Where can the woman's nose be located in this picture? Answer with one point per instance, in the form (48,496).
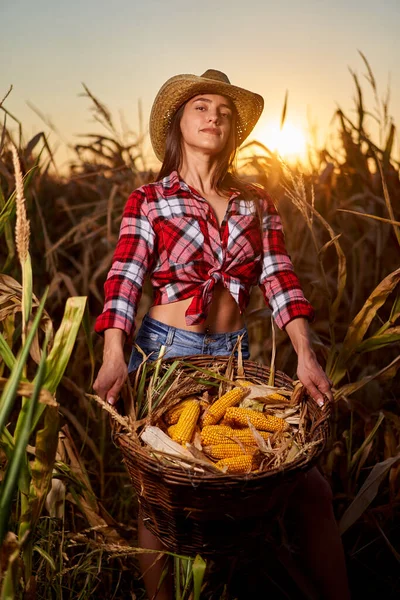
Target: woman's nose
(213,117)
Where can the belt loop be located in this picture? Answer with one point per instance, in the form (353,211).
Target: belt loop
(170,336)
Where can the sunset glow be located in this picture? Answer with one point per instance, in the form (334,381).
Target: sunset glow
(289,142)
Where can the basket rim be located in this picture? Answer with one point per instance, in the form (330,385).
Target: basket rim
(149,463)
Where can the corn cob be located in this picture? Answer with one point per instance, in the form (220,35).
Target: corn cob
(217,410)
(245,436)
(242,416)
(278,397)
(273,396)
(187,423)
(171,429)
(243,383)
(217,434)
(172,416)
(236,464)
(228,450)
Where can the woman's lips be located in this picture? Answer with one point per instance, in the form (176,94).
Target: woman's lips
(210,130)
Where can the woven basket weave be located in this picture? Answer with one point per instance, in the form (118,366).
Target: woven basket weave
(216,514)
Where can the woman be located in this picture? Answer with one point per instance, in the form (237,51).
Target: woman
(206,238)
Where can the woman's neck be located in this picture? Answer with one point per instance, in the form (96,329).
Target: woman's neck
(198,174)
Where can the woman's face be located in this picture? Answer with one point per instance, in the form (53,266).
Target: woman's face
(206,123)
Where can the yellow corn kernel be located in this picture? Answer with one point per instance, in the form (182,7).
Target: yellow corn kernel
(217,410)
(278,397)
(236,464)
(228,450)
(214,434)
(171,429)
(219,434)
(187,423)
(245,436)
(172,416)
(243,382)
(242,416)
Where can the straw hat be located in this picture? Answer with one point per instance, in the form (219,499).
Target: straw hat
(177,90)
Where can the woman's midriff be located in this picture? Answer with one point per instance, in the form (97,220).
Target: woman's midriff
(223,315)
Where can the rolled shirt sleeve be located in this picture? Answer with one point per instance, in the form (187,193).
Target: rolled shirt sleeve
(278,282)
(133,258)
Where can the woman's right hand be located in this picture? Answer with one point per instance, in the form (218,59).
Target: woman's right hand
(114,371)
(110,379)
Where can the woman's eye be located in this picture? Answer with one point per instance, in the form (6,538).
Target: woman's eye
(200,108)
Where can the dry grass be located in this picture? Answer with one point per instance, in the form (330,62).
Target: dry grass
(340,254)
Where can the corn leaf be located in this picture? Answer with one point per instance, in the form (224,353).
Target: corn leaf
(9,393)
(368,216)
(8,234)
(350,388)
(10,483)
(8,209)
(199,569)
(11,578)
(361,322)
(6,353)
(366,442)
(177,568)
(375,342)
(42,466)
(387,198)
(367,493)
(46,556)
(64,341)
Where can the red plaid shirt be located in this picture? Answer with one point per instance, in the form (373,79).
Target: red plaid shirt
(171,233)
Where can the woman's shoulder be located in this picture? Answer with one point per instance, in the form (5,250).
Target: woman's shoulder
(154,189)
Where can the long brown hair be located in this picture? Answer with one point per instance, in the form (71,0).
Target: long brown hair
(225,176)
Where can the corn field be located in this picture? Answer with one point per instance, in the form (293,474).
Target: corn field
(64,531)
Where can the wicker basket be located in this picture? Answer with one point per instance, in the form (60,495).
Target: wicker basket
(210,514)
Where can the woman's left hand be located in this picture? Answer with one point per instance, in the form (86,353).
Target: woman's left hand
(313,377)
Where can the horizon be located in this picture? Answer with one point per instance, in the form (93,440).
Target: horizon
(49,51)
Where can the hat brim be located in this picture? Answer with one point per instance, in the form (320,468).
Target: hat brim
(180,88)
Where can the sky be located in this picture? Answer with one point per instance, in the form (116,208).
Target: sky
(124,51)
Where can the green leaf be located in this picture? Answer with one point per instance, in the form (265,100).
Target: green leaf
(361,322)
(64,341)
(376,342)
(7,211)
(42,467)
(367,441)
(46,556)
(367,493)
(6,353)
(11,578)
(10,481)
(350,388)
(199,569)
(10,390)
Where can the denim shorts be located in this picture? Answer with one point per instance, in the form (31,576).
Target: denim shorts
(179,342)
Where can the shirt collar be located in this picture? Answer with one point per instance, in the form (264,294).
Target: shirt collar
(172,183)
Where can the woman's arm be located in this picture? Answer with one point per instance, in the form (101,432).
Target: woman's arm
(133,258)
(114,370)
(309,371)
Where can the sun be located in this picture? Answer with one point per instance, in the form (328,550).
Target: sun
(289,142)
